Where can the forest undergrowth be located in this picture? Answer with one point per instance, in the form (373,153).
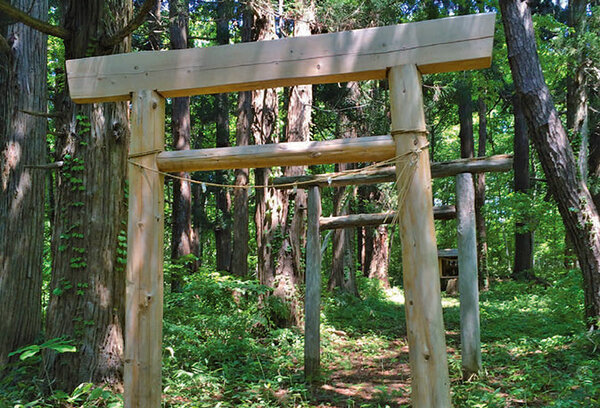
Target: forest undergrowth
(223,349)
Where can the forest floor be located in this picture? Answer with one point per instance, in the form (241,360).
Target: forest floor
(223,349)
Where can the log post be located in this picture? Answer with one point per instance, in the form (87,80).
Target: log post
(424,321)
(145,235)
(312,300)
(467,281)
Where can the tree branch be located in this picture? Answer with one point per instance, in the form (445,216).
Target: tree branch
(44,114)
(137,21)
(32,22)
(49,166)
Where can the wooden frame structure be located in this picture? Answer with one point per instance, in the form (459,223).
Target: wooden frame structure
(401,52)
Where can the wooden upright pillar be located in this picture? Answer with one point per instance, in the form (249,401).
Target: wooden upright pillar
(467,275)
(145,235)
(312,302)
(425,326)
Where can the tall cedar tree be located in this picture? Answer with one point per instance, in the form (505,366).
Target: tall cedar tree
(88,281)
(239,256)
(549,137)
(264,129)
(289,273)
(182,236)
(342,249)
(22,140)
(223,198)
(523,267)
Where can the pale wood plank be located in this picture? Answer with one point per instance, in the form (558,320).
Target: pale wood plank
(312,302)
(468,287)
(425,326)
(374,148)
(448,44)
(145,235)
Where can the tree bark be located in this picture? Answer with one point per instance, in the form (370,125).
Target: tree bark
(575,204)
(222,196)
(87,286)
(22,140)
(289,271)
(264,128)
(182,235)
(523,269)
(239,260)
(483,275)
(378,269)
(342,262)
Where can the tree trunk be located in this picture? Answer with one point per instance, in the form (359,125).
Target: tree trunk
(182,235)
(483,275)
(523,269)
(289,271)
(342,262)
(239,260)
(22,140)
(88,282)
(222,196)
(556,156)
(378,269)
(264,128)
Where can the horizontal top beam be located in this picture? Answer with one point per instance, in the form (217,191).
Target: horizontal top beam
(443,45)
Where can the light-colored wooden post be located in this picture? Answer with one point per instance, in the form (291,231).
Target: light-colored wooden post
(424,321)
(312,302)
(467,276)
(145,235)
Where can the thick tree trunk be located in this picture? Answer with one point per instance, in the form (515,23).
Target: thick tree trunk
(22,143)
(264,128)
(378,269)
(556,156)
(289,271)
(239,259)
(222,196)
(483,275)
(523,269)
(182,235)
(88,281)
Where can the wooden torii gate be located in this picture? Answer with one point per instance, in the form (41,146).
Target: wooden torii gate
(400,52)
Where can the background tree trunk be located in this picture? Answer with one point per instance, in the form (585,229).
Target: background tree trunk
(378,269)
(264,128)
(223,199)
(289,271)
(523,269)
(556,156)
(182,235)
(88,281)
(22,140)
(239,260)
(484,275)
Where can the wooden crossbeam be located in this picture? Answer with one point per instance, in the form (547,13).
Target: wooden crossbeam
(497,163)
(443,45)
(443,212)
(374,148)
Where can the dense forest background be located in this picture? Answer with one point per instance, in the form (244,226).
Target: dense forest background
(235,257)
